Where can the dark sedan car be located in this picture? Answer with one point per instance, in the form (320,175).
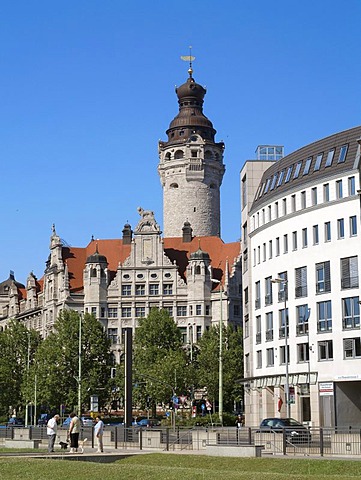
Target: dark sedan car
(295,432)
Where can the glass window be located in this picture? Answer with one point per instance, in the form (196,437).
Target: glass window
(112,312)
(352,347)
(167,289)
(302,316)
(314,195)
(293,203)
(258,294)
(269,326)
(318,162)
(169,309)
(268,291)
(353,226)
(268,182)
(327,231)
(140,289)
(126,312)
(329,158)
(113,335)
(283,320)
(316,238)
(297,170)
(301,282)
(280,178)
(258,329)
(274,179)
(199,309)
(351,186)
(259,358)
(276,210)
(340,228)
(339,189)
(294,240)
(303,352)
(324,316)
(303,199)
(285,243)
(181,310)
(304,238)
(325,350)
(350,313)
(153,289)
(349,272)
(270,357)
(126,290)
(277,246)
(140,312)
(342,155)
(288,174)
(307,166)
(326,192)
(284,201)
(323,277)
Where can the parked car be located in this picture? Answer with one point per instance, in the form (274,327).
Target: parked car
(15,422)
(295,431)
(86,421)
(147,422)
(44,418)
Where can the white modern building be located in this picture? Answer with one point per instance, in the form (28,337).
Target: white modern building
(301,261)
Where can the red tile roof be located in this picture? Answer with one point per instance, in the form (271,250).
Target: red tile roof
(175,249)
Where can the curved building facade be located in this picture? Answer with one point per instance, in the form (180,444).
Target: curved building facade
(301,262)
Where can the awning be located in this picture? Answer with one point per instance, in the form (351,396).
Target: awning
(280,380)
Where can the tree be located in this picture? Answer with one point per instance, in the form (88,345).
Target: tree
(17,346)
(159,359)
(56,365)
(208,364)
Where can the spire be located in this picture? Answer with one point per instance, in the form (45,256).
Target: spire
(189,58)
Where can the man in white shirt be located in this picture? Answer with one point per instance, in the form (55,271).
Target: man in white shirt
(98,432)
(51,430)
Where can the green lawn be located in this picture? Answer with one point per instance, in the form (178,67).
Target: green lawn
(179,467)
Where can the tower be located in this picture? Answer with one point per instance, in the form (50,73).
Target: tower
(191,166)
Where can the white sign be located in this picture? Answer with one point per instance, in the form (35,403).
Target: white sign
(326,388)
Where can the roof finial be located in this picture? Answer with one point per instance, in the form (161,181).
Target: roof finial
(189,58)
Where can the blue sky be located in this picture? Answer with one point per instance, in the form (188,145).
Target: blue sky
(87,90)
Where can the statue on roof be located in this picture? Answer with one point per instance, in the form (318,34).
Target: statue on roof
(147,223)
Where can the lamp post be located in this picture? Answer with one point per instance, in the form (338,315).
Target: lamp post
(220,375)
(284,281)
(79,366)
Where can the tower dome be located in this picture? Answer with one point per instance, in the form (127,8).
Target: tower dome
(191,168)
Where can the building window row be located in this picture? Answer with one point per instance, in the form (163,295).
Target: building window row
(282,244)
(295,171)
(351,349)
(306,199)
(350,320)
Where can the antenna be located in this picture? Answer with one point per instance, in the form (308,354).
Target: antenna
(189,58)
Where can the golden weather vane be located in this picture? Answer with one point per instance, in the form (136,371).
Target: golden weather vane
(189,58)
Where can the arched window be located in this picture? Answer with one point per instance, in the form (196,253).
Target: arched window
(174,185)
(198,270)
(178,154)
(93,272)
(167,156)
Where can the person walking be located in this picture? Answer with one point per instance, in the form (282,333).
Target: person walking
(98,432)
(51,429)
(73,432)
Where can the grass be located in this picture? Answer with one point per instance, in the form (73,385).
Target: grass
(179,467)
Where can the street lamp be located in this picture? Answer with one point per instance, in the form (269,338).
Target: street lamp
(79,366)
(220,376)
(287,385)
